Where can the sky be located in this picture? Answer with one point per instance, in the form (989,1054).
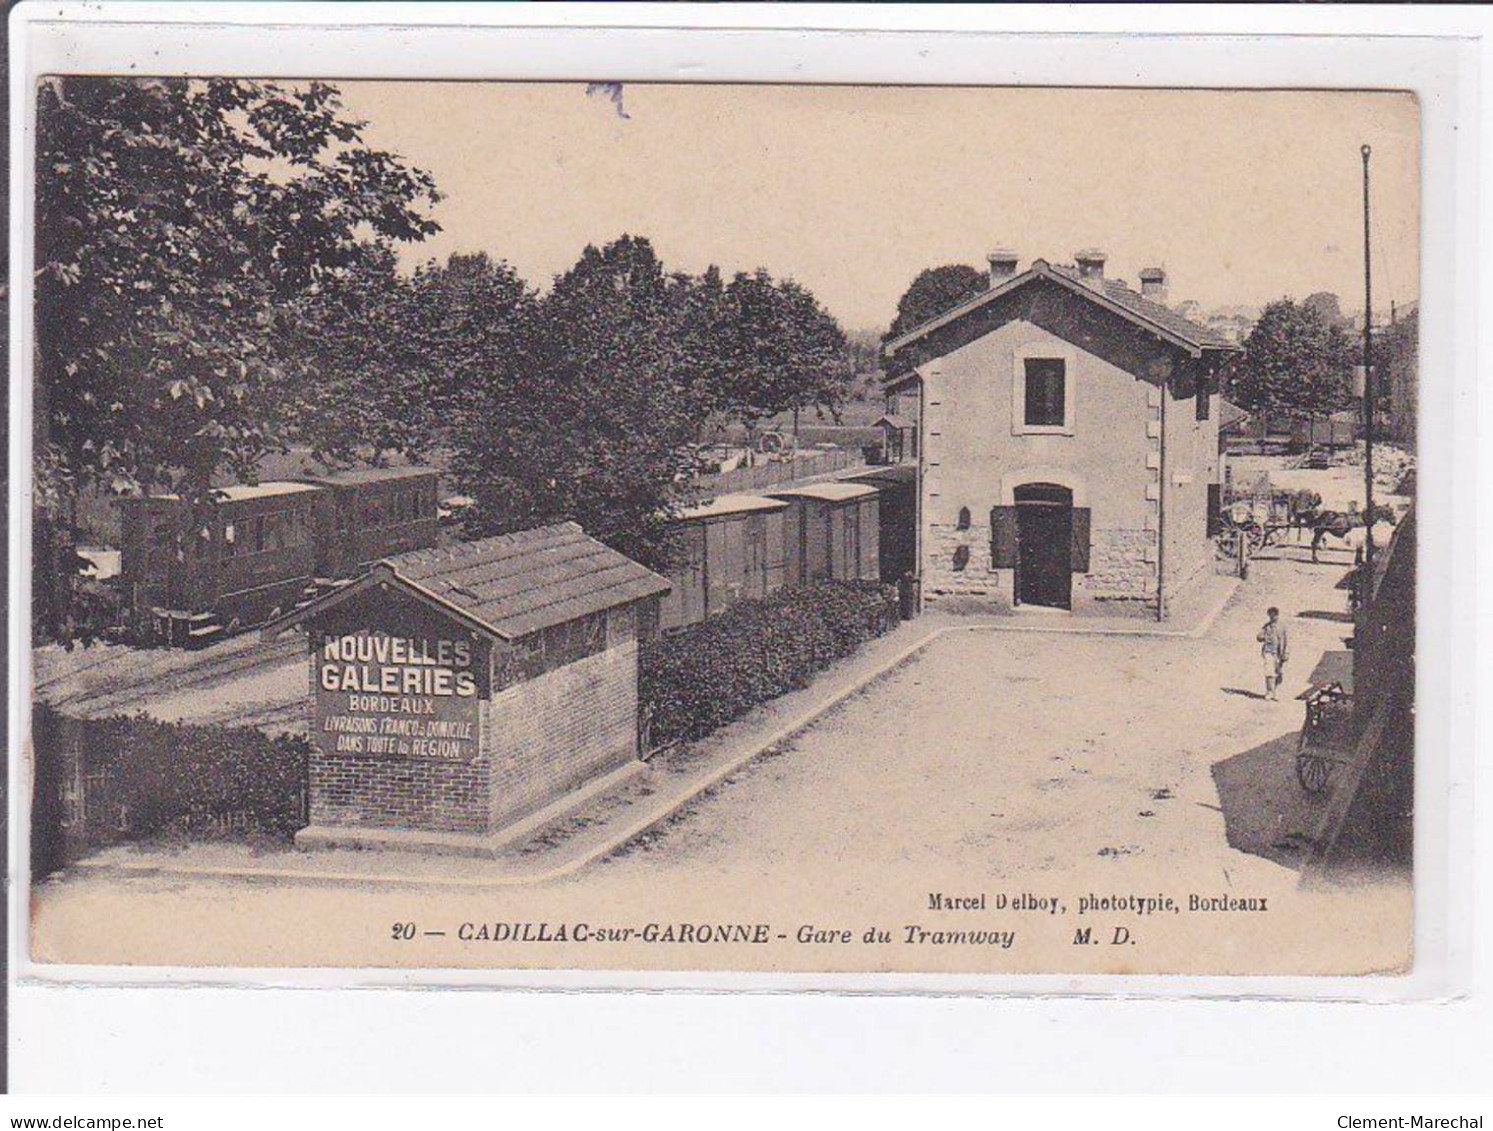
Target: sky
(1243,196)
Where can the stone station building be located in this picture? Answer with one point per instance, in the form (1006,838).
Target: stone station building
(1068,446)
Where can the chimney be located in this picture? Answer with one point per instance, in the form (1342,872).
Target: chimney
(1002,265)
(1153,284)
(1090,263)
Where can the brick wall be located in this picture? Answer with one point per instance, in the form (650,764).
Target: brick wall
(549,734)
(394,792)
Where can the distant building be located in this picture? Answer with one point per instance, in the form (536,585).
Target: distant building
(1069,440)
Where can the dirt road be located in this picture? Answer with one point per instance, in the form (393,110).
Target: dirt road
(1060,766)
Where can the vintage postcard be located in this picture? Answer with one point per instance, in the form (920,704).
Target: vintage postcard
(711,528)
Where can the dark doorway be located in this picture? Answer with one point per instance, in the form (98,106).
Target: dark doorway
(1044,537)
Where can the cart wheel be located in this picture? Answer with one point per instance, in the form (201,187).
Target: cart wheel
(1312,770)
(1227,544)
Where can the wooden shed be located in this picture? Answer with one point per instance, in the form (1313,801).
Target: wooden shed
(899,438)
(726,550)
(833,531)
(457,690)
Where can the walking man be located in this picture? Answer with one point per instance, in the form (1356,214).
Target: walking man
(1274,648)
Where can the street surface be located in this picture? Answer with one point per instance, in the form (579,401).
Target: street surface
(1051,765)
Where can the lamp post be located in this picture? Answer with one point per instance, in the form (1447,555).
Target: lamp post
(1368,386)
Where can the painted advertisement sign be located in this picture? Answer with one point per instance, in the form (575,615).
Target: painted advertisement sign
(410,693)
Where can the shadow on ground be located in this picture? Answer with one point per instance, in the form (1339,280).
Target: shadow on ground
(1265,811)
(1323,614)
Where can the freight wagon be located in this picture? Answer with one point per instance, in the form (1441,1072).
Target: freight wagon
(833,532)
(737,547)
(725,550)
(190,576)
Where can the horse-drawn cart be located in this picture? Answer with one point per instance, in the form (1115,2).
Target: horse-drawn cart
(1326,732)
(1257,522)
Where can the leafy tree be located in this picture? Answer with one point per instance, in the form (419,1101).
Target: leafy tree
(626,367)
(1326,304)
(785,351)
(176,220)
(596,430)
(390,364)
(934,291)
(1295,365)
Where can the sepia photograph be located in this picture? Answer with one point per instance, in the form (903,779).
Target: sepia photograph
(723,527)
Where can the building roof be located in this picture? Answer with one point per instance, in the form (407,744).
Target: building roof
(511,585)
(889,473)
(1112,294)
(892,420)
(238,492)
(825,492)
(1230,415)
(358,476)
(723,505)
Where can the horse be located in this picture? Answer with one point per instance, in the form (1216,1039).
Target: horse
(1341,523)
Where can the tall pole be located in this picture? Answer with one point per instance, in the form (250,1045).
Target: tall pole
(1368,387)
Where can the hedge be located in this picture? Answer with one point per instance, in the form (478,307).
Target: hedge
(139,778)
(709,674)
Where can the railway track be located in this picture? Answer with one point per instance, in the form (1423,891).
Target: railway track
(131,677)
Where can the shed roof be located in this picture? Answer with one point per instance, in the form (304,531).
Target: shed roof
(1109,293)
(358,476)
(825,492)
(724,505)
(511,585)
(892,420)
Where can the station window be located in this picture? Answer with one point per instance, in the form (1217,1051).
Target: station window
(1046,380)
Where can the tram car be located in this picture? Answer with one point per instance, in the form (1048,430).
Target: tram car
(190,578)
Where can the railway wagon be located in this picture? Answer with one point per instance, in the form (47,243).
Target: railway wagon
(833,531)
(897,525)
(728,549)
(366,514)
(192,576)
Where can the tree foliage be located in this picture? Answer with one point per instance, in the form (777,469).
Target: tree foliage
(595,426)
(1296,364)
(932,293)
(783,350)
(1328,305)
(176,219)
(388,364)
(626,367)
